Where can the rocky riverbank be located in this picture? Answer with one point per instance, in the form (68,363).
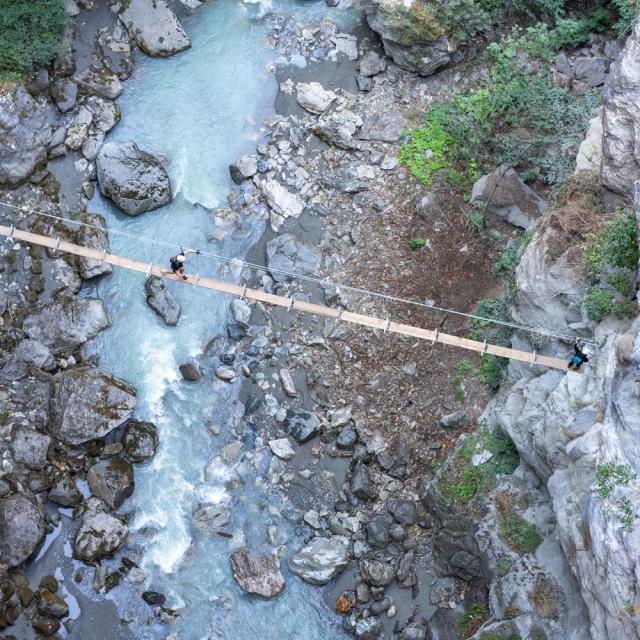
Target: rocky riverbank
(357,426)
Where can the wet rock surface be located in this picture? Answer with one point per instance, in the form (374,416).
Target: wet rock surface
(161,301)
(257,574)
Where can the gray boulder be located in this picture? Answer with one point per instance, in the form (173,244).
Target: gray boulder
(100,534)
(590,69)
(338,129)
(376,573)
(320,560)
(21,529)
(241,312)
(244,168)
(424,54)
(97,239)
(88,403)
(190,372)
(313,97)
(65,93)
(368,628)
(287,253)
(385,126)
(378,531)
(589,158)
(99,81)
(453,420)
(140,441)
(63,326)
(154,26)
(24,135)
(362,486)
(34,352)
(282,203)
(64,491)
(505,194)
(371,64)
(161,301)
(621,120)
(404,511)
(30,447)
(257,574)
(111,481)
(134,179)
(211,518)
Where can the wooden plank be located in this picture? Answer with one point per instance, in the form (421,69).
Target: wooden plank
(282,301)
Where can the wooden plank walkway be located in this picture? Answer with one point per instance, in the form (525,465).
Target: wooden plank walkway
(385,325)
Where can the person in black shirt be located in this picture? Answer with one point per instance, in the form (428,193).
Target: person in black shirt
(578,357)
(177,262)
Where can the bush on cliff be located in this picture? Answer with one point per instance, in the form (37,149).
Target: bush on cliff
(30,33)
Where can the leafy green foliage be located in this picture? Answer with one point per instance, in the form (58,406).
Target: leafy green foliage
(609,476)
(615,245)
(515,117)
(627,11)
(30,33)
(520,535)
(472,619)
(462,481)
(417,243)
(508,261)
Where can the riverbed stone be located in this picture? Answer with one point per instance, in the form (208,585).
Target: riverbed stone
(99,81)
(64,491)
(371,64)
(30,447)
(287,383)
(89,403)
(301,425)
(63,326)
(21,529)
(34,352)
(368,628)
(212,518)
(347,439)
(313,97)
(321,559)
(287,253)
(282,448)
(155,27)
(227,374)
(376,573)
(338,129)
(140,441)
(24,135)
(241,312)
(65,93)
(134,179)
(405,512)
(100,534)
(159,298)
(190,372)
(52,605)
(282,203)
(378,531)
(112,481)
(386,126)
(362,486)
(257,574)
(244,168)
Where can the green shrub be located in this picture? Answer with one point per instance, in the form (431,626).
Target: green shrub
(627,11)
(462,481)
(508,261)
(520,535)
(599,303)
(30,33)
(610,475)
(417,243)
(472,619)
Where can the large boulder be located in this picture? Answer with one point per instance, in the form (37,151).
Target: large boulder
(338,129)
(257,574)
(99,81)
(313,97)
(24,135)
(320,560)
(589,158)
(154,26)
(88,403)
(385,126)
(134,179)
(302,425)
(376,573)
(100,534)
(63,326)
(505,194)
(94,238)
(282,203)
(30,447)
(161,301)
(140,441)
(111,481)
(34,352)
(621,120)
(21,529)
(287,253)
(64,491)
(412,46)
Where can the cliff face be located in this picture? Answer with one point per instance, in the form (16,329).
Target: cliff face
(580,432)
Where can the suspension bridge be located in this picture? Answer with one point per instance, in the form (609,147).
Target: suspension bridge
(195,280)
